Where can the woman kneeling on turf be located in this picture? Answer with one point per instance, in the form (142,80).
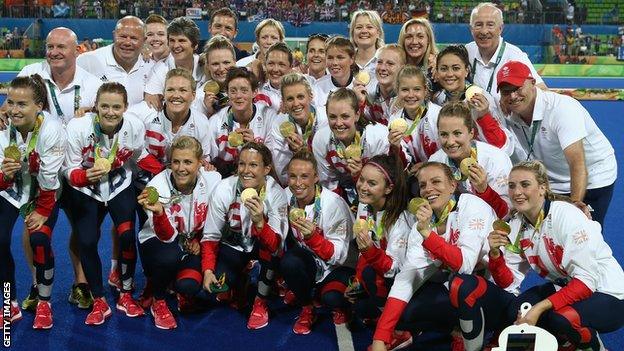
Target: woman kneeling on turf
(176,201)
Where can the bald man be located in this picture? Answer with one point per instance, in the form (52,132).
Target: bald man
(121,62)
(71,89)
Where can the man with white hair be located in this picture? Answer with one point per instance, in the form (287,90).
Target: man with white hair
(489,51)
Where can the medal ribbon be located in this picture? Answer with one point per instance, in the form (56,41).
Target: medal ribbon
(317,204)
(97,129)
(457,174)
(435,222)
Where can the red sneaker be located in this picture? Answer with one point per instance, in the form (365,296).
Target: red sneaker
(289,298)
(340,316)
(400,340)
(16,313)
(259,317)
(114,279)
(163,319)
(129,306)
(147,296)
(43,315)
(303,325)
(99,313)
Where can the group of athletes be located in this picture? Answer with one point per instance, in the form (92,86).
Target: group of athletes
(409,187)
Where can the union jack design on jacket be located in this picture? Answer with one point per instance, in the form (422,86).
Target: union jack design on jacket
(459,249)
(331,243)
(40,166)
(229,222)
(180,215)
(81,145)
(567,249)
(223,155)
(159,134)
(422,142)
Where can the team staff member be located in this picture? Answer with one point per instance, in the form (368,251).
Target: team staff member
(237,232)
(559,131)
(95,143)
(225,22)
(121,61)
(71,89)
(169,240)
(367,35)
(489,51)
(28,185)
(449,237)
(584,294)
(183,39)
(156,37)
(320,255)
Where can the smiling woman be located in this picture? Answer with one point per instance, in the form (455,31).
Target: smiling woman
(31,152)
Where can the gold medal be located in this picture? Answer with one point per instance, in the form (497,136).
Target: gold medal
(399,124)
(235,139)
(212,86)
(152,195)
(501,225)
(363,77)
(465,165)
(248,194)
(103,164)
(13,153)
(296,213)
(472,90)
(287,128)
(353,151)
(415,204)
(360,225)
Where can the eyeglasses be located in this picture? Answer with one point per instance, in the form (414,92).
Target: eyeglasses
(508,90)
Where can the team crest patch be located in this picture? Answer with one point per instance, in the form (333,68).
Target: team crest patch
(476,224)
(580,237)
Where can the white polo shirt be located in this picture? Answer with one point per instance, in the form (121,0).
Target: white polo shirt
(563,121)
(83,88)
(102,64)
(156,81)
(483,73)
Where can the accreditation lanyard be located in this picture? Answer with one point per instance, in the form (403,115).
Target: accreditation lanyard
(57,106)
(531,142)
(498,59)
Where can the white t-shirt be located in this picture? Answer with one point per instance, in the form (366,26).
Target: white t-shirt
(83,88)
(156,82)
(102,64)
(564,121)
(482,72)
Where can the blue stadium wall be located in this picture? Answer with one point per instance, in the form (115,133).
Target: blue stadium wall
(530,38)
